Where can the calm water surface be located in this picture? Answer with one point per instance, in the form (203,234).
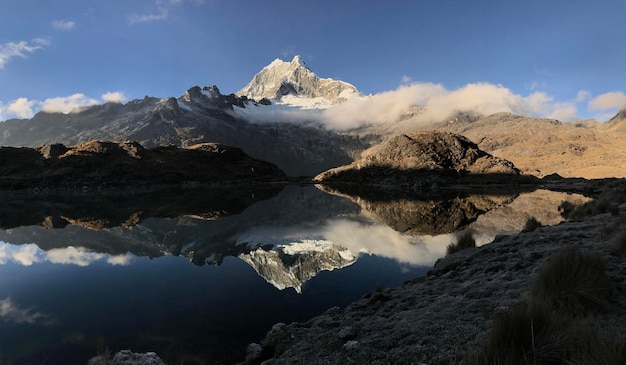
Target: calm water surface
(196,277)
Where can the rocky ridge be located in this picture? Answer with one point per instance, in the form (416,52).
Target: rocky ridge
(99,164)
(200,115)
(422,159)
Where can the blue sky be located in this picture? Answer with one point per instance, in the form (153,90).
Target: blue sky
(58,54)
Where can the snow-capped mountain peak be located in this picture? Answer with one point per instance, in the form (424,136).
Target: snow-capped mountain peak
(299,61)
(280,79)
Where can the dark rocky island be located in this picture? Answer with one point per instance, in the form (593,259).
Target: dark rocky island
(98,164)
(423,159)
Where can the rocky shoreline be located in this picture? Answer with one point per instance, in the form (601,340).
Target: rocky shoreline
(439,318)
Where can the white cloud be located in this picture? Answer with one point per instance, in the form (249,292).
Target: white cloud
(114,97)
(22,107)
(66,104)
(63,25)
(20,49)
(30,254)
(26,108)
(610,100)
(440,103)
(583,95)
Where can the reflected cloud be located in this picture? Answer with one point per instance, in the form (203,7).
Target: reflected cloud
(10,312)
(30,254)
(357,237)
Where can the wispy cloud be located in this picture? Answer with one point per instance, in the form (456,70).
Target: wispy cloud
(63,25)
(162,11)
(438,102)
(19,49)
(10,312)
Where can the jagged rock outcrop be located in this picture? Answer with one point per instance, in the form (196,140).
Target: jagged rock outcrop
(422,159)
(109,164)
(127,357)
(281,78)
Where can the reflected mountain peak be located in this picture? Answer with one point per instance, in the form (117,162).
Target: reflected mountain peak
(291,265)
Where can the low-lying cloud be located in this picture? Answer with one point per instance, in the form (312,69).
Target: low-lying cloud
(439,103)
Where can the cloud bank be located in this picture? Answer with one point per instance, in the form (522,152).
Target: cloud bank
(439,103)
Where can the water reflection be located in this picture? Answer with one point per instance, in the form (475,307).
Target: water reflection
(10,312)
(79,268)
(29,254)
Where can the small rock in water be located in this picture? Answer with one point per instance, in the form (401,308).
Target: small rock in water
(351,345)
(346,332)
(253,352)
(127,357)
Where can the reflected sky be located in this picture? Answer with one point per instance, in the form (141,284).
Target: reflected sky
(10,312)
(356,235)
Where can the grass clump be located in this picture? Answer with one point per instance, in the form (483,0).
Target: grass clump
(465,241)
(527,333)
(531,224)
(554,324)
(572,211)
(574,282)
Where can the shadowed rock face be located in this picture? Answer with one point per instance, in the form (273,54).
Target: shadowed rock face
(108,164)
(425,157)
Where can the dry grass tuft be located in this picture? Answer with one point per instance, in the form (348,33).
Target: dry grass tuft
(465,241)
(574,282)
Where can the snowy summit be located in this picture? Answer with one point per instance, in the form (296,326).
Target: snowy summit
(280,79)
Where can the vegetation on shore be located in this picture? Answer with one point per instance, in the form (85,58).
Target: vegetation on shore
(565,318)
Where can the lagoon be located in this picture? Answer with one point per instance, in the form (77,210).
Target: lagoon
(197,275)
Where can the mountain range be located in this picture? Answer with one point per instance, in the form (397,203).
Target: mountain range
(266,119)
